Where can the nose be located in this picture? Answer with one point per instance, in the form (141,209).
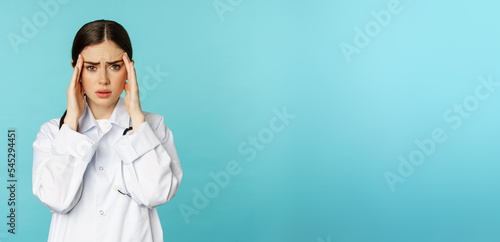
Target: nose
(103,77)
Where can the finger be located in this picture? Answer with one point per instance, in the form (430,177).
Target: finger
(80,68)
(133,77)
(76,73)
(74,77)
(126,60)
(130,68)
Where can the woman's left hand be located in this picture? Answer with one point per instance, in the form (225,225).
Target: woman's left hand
(132,100)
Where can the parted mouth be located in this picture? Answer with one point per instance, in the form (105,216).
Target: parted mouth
(103,93)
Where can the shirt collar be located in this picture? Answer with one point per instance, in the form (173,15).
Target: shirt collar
(119,117)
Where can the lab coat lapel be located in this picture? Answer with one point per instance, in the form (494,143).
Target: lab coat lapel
(87,120)
(120,116)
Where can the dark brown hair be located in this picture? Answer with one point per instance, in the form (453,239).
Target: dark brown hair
(97,32)
(94,33)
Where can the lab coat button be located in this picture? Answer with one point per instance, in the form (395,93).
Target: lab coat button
(101,212)
(100,168)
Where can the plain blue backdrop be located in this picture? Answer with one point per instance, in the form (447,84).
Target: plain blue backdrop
(365,84)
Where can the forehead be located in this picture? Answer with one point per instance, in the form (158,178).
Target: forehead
(105,51)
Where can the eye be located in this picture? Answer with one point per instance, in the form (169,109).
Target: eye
(115,67)
(91,68)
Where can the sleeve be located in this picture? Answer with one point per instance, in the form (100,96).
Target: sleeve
(60,158)
(151,168)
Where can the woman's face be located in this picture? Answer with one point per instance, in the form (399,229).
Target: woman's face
(103,74)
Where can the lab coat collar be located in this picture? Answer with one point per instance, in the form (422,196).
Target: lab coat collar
(119,117)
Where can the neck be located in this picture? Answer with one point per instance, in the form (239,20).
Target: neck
(101,112)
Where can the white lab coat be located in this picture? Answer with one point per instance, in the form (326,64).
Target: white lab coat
(81,176)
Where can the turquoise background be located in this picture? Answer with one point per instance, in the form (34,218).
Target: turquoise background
(320,178)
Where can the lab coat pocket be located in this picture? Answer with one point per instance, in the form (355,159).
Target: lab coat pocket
(135,231)
(136,213)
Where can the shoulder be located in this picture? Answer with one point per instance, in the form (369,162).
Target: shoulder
(153,119)
(157,123)
(49,129)
(51,125)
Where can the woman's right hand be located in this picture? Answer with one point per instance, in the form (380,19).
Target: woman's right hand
(76,99)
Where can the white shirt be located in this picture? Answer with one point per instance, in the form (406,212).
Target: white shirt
(103,124)
(81,176)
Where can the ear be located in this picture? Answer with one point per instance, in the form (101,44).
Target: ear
(72,64)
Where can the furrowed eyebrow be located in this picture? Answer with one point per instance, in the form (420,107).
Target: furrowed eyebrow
(97,63)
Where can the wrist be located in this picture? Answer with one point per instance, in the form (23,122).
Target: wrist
(71,122)
(137,120)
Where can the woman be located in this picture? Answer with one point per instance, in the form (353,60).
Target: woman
(105,165)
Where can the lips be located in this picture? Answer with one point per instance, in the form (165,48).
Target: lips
(103,93)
